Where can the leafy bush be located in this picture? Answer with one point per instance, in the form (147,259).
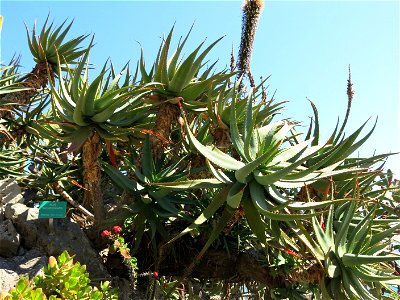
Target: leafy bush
(62,279)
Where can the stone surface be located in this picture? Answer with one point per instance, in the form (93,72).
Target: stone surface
(30,240)
(26,222)
(11,268)
(67,235)
(124,289)
(9,239)
(1,213)
(10,192)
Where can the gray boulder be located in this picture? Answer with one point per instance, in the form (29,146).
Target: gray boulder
(65,235)
(11,268)
(31,240)
(9,239)
(10,192)
(25,220)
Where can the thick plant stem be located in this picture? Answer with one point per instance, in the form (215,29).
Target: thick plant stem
(92,177)
(35,80)
(167,114)
(222,139)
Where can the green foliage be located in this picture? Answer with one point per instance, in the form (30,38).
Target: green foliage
(61,279)
(180,78)
(168,288)
(156,203)
(119,244)
(11,163)
(50,43)
(231,176)
(9,79)
(351,257)
(81,108)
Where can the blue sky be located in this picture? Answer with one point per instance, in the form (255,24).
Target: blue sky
(305,45)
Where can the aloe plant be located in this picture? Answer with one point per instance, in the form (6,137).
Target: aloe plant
(45,47)
(271,161)
(192,163)
(356,260)
(12,162)
(152,205)
(180,83)
(87,113)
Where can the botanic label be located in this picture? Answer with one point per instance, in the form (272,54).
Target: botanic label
(52,209)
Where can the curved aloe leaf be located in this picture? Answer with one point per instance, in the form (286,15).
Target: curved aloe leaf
(205,183)
(213,154)
(350,259)
(207,213)
(235,195)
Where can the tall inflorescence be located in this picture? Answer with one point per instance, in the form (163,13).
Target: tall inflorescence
(251,16)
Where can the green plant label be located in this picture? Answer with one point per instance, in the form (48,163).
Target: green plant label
(52,209)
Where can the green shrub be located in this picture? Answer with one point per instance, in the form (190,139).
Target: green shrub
(62,279)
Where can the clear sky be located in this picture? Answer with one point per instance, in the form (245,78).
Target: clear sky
(305,45)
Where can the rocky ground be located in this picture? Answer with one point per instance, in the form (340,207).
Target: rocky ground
(26,241)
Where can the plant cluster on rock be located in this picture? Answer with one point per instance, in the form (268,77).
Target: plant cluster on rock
(61,279)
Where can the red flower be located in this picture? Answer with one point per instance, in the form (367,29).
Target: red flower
(155,274)
(105,233)
(291,252)
(166,285)
(117,229)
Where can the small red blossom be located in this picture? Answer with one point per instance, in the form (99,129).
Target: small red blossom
(291,252)
(323,226)
(322,223)
(105,233)
(117,229)
(179,99)
(155,274)
(166,285)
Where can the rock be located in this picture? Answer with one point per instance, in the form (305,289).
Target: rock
(67,235)
(10,192)
(21,251)
(35,233)
(124,289)
(9,239)
(11,268)
(26,222)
